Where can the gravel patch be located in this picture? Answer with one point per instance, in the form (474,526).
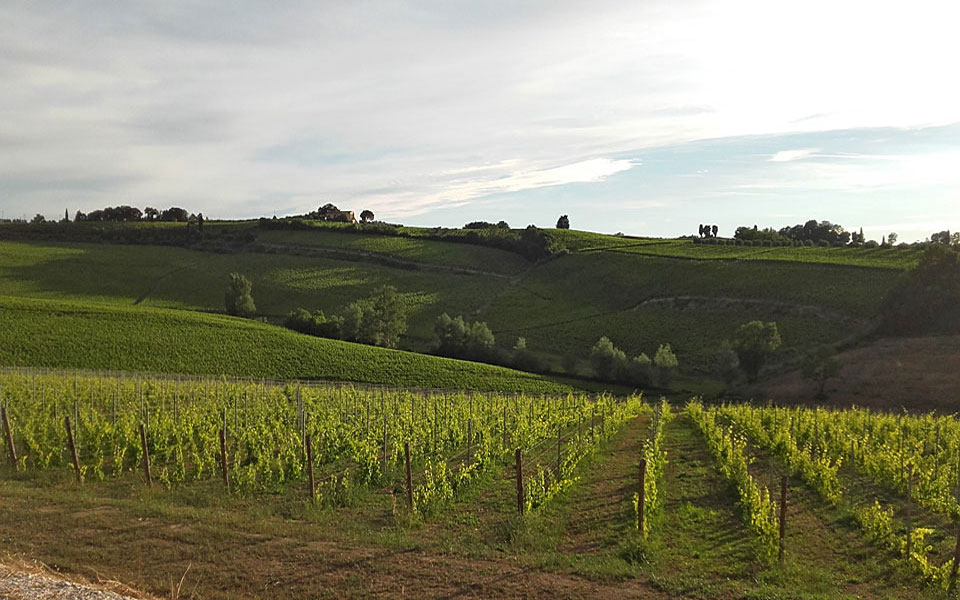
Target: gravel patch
(20,585)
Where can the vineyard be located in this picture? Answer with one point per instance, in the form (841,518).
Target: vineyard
(476,474)
(265,438)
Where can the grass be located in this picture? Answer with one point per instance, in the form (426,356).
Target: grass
(71,334)
(179,278)
(885,258)
(419,250)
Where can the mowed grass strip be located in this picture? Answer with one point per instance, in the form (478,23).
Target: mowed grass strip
(450,254)
(70,334)
(883,258)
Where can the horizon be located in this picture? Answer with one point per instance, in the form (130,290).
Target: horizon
(642,119)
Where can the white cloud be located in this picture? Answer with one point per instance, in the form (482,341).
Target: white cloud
(789,155)
(418,105)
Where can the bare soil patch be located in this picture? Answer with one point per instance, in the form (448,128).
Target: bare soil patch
(914,373)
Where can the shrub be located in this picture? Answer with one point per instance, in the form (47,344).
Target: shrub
(640,370)
(523,358)
(665,362)
(315,324)
(754,343)
(608,361)
(238,300)
(727,364)
(379,320)
(456,338)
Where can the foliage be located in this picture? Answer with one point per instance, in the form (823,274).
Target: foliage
(456,338)
(378,320)
(522,358)
(316,324)
(563,222)
(754,343)
(366,215)
(237,298)
(927,299)
(607,360)
(820,365)
(666,364)
(727,362)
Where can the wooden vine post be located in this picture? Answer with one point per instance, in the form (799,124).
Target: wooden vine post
(519,456)
(11,449)
(641,496)
(313,482)
(406,456)
(146,455)
(223,458)
(73,449)
(783,515)
(909,524)
(559,463)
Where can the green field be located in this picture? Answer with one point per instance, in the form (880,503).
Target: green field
(57,333)
(639,292)
(885,258)
(451,254)
(180,278)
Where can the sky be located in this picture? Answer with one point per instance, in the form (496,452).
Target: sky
(646,117)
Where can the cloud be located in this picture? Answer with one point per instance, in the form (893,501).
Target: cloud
(278,108)
(789,155)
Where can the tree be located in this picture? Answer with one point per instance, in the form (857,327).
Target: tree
(379,320)
(66,216)
(79,216)
(927,298)
(366,215)
(238,300)
(754,343)
(563,222)
(820,365)
(892,238)
(503,225)
(715,229)
(523,358)
(175,213)
(38,218)
(700,230)
(456,338)
(665,361)
(640,370)
(608,361)
(315,324)
(151,214)
(727,363)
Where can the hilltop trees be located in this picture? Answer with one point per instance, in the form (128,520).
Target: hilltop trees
(563,222)
(366,215)
(754,343)
(237,298)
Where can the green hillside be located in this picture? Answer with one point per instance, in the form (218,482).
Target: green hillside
(62,334)
(640,292)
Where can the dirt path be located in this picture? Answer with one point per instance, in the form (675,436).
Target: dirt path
(601,506)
